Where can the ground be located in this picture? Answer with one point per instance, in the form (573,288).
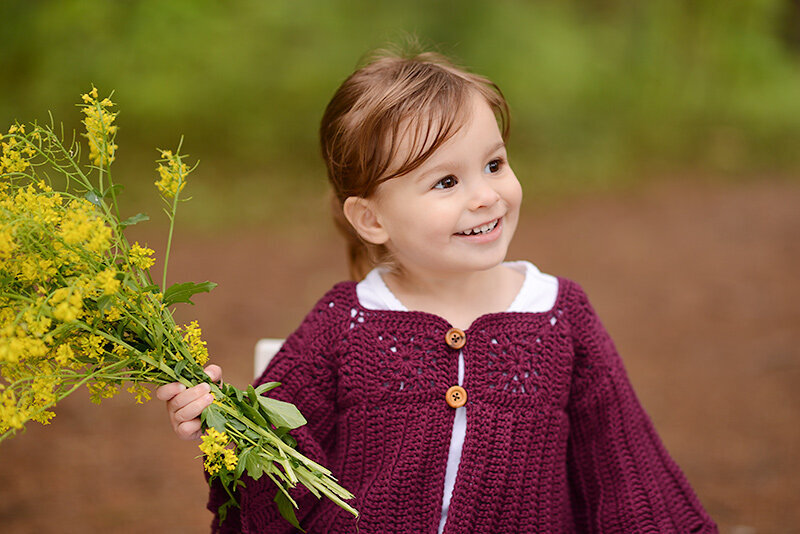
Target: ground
(697,283)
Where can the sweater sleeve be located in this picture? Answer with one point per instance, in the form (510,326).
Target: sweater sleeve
(621,477)
(304,368)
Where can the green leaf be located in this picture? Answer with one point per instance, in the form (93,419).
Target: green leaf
(223,510)
(182,291)
(115,189)
(180,366)
(253,414)
(214,418)
(232,391)
(253,464)
(130,221)
(282,414)
(94,198)
(286,508)
(104,302)
(242,461)
(263,388)
(254,436)
(237,425)
(152,288)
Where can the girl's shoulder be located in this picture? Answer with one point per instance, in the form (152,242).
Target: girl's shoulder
(342,293)
(334,306)
(543,293)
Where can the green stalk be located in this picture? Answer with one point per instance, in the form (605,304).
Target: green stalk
(171,215)
(169,240)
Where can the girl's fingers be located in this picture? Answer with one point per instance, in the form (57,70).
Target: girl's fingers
(167,391)
(189,430)
(191,410)
(214,372)
(184,406)
(187,396)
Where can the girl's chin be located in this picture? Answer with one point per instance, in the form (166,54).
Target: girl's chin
(468,263)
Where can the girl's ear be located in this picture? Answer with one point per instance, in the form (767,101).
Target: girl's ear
(362,215)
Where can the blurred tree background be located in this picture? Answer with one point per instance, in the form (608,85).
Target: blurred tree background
(604,93)
(662,136)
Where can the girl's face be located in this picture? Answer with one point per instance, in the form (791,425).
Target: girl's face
(457,212)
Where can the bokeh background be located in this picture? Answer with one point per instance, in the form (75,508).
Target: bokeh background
(658,144)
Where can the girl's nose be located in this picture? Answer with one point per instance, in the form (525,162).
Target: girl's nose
(483,194)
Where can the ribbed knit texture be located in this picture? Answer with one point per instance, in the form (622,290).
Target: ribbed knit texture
(556,439)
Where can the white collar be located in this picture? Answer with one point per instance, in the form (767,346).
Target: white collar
(537,294)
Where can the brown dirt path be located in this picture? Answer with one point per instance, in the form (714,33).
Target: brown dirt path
(698,285)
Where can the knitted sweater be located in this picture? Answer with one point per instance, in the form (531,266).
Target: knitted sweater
(556,440)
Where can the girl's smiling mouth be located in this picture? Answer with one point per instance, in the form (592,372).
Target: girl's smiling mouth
(481,230)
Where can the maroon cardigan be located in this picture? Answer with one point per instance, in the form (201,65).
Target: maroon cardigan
(556,439)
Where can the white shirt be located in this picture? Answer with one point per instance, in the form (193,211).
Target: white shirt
(537,294)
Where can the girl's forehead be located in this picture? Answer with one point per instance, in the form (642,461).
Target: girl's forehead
(423,136)
(474,121)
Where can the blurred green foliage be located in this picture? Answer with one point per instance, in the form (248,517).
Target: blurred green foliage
(602,92)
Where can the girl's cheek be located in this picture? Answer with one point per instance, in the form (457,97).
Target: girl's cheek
(514,192)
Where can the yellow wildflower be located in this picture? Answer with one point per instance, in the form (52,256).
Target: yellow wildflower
(37,324)
(140,256)
(173,174)
(7,243)
(107,282)
(76,226)
(113,314)
(91,95)
(218,455)
(101,389)
(12,348)
(46,268)
(43,186)
(92,346)
(15,153)
(32,347)
(31,268)
(100,129)
(42,387)
(100,241)
(11,415)
(64,354)
(197,347)
(43,417)
(68,304)
(140,391)
(68,260)
(36,202)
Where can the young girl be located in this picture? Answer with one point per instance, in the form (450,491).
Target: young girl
(450,390)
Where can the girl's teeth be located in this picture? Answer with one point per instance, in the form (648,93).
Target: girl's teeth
(481,229)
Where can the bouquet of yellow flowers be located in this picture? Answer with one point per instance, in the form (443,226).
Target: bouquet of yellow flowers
(78,306)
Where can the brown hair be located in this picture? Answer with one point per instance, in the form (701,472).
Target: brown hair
(393,95)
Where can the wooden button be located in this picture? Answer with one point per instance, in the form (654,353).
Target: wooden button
(455,338)
(456,397)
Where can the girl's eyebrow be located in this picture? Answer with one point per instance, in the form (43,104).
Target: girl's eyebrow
(497,147)
(450,164)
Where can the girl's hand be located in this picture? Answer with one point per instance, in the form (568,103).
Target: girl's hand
(185,405)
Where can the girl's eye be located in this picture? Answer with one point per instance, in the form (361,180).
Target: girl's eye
(446,183)
(493,166)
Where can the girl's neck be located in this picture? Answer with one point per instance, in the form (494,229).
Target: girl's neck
(459,298)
